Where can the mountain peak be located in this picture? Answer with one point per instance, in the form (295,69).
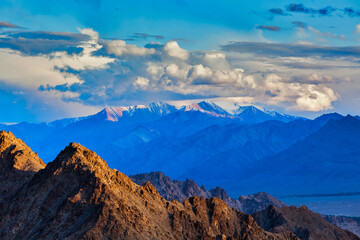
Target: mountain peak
(18,164)
(327,116)
(254,114)
(77,196)
(77,155)
(249,108)
(7,138)
(14,153)
(207,107)
(136,112)
(4,134)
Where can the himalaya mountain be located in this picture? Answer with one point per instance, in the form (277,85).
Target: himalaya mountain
(77,196)
(213,146)
(268,211)
(180,190)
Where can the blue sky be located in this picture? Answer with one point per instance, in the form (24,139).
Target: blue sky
(70,58)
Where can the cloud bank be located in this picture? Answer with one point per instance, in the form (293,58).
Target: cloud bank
(86,72)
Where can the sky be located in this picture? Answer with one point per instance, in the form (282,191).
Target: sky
(72,58)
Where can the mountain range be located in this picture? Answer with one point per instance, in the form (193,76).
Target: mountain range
(246,150)
(180,190)
(258,205)
(77,196)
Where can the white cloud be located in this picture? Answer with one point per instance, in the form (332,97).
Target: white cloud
(357,28)
(30,72)
(305,97)
(174,71)
(173,49)
(120,48)
(199,74)
(316,78)
(157,71)
(27,73)
(314,98)
(216,60)
(141,82)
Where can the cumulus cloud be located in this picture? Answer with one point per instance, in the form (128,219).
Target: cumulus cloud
(199,74)
(307,97)
(120,48)
(112,72)
(141,82)
(162,69)
(316,78)
(173,49)
(28,73)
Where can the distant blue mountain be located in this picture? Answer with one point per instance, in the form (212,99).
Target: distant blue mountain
(326,117)
(201,141)
(252,114)
(327,161)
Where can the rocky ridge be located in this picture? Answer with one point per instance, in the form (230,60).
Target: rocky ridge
(306,224)
(180,190)
(77,196)
(18,163)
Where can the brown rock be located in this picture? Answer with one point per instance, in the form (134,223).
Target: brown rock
(18,163)
(304,223)
(180,190)
(77,196)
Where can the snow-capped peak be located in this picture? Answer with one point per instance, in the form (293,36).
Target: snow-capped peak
(151,111)
(250,108)
(207,107)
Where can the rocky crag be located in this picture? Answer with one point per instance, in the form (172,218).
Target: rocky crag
(306,224)
(180,190)
(77,196)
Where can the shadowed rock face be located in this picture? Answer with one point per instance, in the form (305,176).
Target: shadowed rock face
(258,202)
(171,189)
(304,223)
(77,196)
(180,190)
(18,163)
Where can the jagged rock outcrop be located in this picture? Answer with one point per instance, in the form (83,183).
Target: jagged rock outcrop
(306,224)
(180,190)
(77,196)
(171,189)
(258,202)
(18,163)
